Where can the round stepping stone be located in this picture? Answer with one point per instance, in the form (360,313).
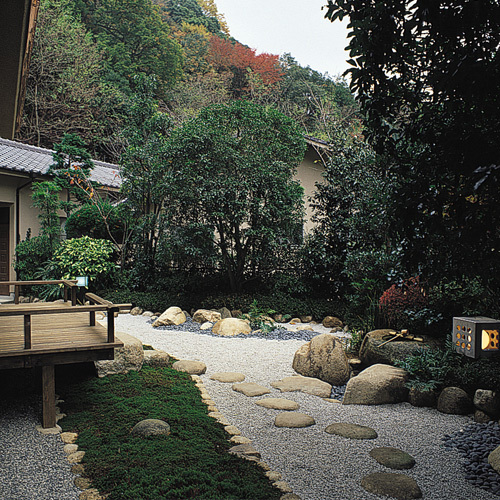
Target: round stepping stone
(308,385)
(228,377)
(392,485)
(392,458)
(293,419)
(351,431)
(251,389)
(191,367)
(278,404)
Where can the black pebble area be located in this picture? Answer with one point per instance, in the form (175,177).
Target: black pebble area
(474,443)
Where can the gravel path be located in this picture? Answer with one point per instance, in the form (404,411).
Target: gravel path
(317,466)
(33,466)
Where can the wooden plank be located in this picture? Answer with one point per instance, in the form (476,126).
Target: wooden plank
(39,282)
(15,310)
(27,331)
(48,396)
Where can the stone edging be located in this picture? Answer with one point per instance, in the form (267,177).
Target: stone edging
(243,447)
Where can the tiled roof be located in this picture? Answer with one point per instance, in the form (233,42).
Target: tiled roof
(20,157)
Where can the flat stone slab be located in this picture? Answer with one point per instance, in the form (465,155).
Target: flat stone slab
(278,404)
(228,377)
(244,449)
(351,431)
(308,385)
(251,389)
(392,485)
(191,367)
(392,458)
(293,419)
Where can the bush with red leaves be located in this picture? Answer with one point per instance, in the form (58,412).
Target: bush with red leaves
(399,300)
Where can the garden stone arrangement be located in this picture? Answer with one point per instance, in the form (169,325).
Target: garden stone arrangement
(315,446)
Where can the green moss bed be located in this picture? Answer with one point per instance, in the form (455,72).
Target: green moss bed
(191,463)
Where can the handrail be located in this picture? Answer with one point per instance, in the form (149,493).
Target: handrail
(68,284)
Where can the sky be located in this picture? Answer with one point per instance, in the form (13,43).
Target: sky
(294,26)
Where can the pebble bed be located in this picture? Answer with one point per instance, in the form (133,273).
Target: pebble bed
(33,466)
(474,443)
(317,465)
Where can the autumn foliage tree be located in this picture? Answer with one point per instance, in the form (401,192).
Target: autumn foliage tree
(241,60)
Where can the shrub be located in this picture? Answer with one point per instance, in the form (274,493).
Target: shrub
(31,254)
(86,257)
(400,302)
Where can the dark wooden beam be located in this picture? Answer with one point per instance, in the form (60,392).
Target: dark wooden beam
(48,396)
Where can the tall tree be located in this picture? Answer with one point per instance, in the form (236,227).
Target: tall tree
(233,175)
(427,75)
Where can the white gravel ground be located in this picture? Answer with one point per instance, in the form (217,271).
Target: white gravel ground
(317,466)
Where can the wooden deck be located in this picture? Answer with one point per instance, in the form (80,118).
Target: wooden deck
(48,334)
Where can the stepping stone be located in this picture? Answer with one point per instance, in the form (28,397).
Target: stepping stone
(251,389)
(228,377)
(351,431)
(307,385)
(76,457)
(244,449)
(240,440)
(191,367)
(392,485)
(293,419)
(392,458)
(232,430)
(278,404)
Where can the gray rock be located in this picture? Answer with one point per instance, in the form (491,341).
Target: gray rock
(278,404)
(392,458)
(171,316)
(293,419)
(224,313)
(244,449)
(422,398)
(494,459)
(191,367)
(392,485)
(148,314)
(323,357)
(351,431)
(151,427)
(480,417)
(135,311)
(377,385)
(307,385)
(228,377)
(488,402)
(130,357)
(251,389)
(454,401)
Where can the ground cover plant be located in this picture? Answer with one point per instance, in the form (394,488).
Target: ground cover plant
(192,462)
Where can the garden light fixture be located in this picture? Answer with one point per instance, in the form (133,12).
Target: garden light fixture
(82,281)
(476,337)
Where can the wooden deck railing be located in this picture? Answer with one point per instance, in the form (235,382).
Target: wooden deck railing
(70,288)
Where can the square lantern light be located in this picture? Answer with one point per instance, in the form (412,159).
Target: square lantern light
(476,337)
(82,281)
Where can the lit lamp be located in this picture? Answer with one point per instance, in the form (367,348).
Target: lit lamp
(82,281)
(476,337)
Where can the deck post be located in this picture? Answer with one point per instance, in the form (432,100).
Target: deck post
(48,396)
(27,331)
(74,289)
(16,294)
(92,318)
(111,324)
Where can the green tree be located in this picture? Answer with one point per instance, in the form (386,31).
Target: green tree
(233,171)
(146,170)
(427,76)
(46,199)
(134,39)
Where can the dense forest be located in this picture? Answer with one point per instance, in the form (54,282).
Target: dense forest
(87,53)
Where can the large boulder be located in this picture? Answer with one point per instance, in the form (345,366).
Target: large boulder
(488,402)
(332,322)
(151,427)
(127,358)
(307,385)
(375,348)
(204,315)
(172,316)
(454,401)
(323,357)
(229,327)
(377,385)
